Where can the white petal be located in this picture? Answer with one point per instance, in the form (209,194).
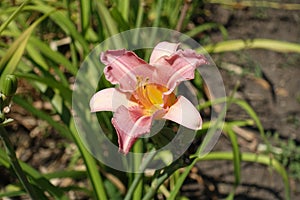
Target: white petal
(184,112)
(109,100)
(163,49)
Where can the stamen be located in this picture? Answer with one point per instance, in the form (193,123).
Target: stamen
(150,96)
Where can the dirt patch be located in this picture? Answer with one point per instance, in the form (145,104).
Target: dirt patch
(269,82)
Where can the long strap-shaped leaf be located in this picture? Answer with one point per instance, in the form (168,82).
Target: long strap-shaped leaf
(257,3)
(36,177)
(90,163)
(65,92)
(246,157)
(258,43)
(12,16)
(61,19)
(10,60)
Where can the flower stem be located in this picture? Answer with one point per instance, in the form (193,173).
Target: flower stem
(138,147)
(16,165)
(139,176)
(167,172)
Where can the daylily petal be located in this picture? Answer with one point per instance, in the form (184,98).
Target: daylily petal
(163,49)
(123,67)
(109,100)
(178,67)
(145,90)
(130,124)
(184,112)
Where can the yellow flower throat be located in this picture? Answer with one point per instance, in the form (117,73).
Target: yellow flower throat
(150,96)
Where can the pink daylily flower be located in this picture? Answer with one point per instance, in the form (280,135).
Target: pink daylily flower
(146,91)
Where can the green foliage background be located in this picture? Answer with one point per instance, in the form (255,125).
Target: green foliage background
(44,42)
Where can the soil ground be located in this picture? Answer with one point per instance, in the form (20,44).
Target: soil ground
(270,83)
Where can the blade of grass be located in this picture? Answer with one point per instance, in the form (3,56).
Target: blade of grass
(65,92)
(139,176)
(85,15)
(236,160)
(158,11)
(217,124)
(208,26)
(42,115)
(36,49)
(253,3)
(16,165)
(245,157)
(95,178)
(13,16)
(36,56)
(139,20)
(138,148)
(124,7)
(117,16)
(10,194)
(36,177)
(181,179)
(173,10)
(236,154)
(253,115)
(43,183)
(66,173)
(54,56)
(201,28)
(214,125)
(256,158)
(91,166)
(61,18)
(107,20)
(243,105)
(10,60)
(140,14)
(258,43)
(161,176)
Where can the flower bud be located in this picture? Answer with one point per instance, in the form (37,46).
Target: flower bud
(10,85)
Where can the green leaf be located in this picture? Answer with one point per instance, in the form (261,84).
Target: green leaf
(236,154)
(13,55)
(85,15)
(13,16)
(243,104)
(14,193)
(36,56)
(61,18)
(91,165)
(124,8)
(107,20)
(201,28)
(117,16)
(256,3)
(245,157)
(258,43)
(42,115)
(65,92)
(92,169)
(255,158)
(54,56)
(253,115)
(66,173)
(36,177)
